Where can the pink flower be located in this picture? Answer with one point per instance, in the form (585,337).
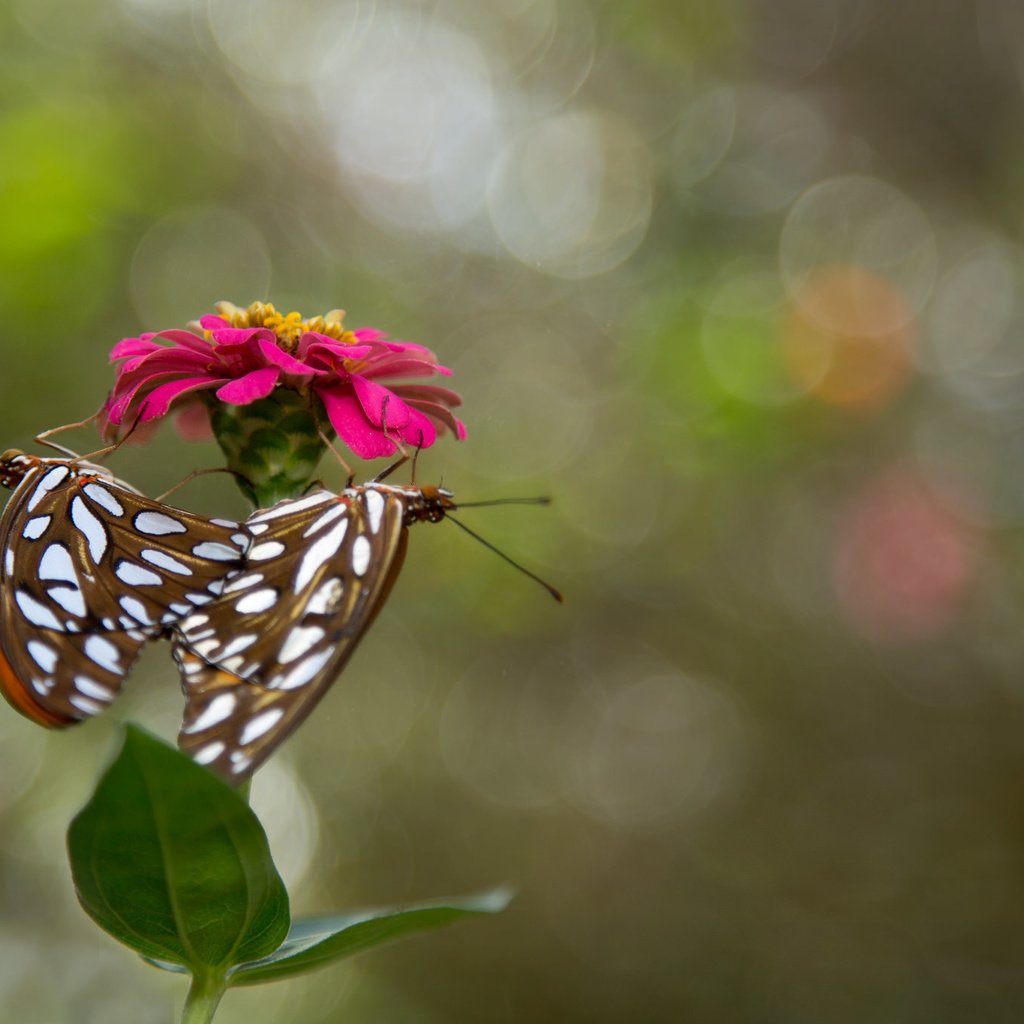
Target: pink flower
(242,355)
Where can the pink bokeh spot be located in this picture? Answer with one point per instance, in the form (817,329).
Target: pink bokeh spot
(905,556)
(169,371)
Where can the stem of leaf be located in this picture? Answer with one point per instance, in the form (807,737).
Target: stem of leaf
(202,1000)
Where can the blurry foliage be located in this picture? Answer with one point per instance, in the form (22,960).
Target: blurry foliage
(726,791)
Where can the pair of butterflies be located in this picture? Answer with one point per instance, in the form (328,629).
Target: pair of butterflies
(262,614)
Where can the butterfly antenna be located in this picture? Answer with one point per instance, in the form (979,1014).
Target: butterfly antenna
(544,499)
(43,438)
(556,594)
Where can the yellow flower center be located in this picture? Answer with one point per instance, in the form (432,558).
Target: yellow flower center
(287,327)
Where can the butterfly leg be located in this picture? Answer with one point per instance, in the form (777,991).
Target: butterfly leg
(42,438)
(405,456)
(314,408)
(350,476)
(199,472)
(99,453)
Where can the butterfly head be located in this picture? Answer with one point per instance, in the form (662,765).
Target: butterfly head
(431,503)
(14,464)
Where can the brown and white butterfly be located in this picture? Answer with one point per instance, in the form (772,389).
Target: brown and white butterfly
(256,661)
(91,570)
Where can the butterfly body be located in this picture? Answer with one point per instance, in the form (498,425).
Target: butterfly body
(258,659)
(90,570)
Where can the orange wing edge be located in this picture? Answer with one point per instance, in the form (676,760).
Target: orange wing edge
(20,697)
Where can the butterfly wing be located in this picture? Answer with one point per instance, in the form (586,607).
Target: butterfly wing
(91,571)
(256,661)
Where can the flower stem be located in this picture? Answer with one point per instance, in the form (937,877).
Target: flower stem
(202,1000)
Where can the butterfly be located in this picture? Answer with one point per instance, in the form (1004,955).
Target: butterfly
(255,661)
(91,570)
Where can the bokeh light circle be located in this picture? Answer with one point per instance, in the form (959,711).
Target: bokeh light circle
(571,196)
(388,120)
(284,806)
(415,135)
(562,57)
(777,143)
(905,554)
(849,336)
(703,135)
(157,9)
(193,258)
(972,310)
(793,37)
(24,750)
(380,707)
(285,44)
(862,222)
(658,748)
(500,738)
(743,341)
(540,421)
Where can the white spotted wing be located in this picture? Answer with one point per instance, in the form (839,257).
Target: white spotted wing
(91,571)
(257,659)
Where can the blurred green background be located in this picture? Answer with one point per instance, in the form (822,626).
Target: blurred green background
(741,285)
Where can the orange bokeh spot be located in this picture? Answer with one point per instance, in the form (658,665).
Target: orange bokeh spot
(849,337)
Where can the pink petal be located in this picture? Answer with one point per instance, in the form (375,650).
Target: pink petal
(185,339)
(162,359)
(125,391)
(398,366)
(315,337)
(132,347)
(107,429)
(276,356)
(420,432)
(429,393)
(241,335)
(193,422)
(159,400)
(329,350)
(441,414)
(249,388)
(239,351)
(145,343)
(213,323)
(410,346)
(373,396)
(370,334)
(352,426)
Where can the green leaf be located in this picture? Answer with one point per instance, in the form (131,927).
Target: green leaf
(171,861)
(317,941)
